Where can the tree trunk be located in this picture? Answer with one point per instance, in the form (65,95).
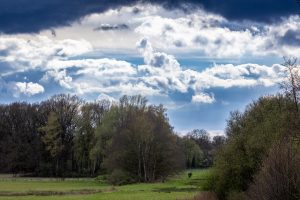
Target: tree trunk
(139,163)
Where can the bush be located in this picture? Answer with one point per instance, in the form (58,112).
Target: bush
(279,178)
(250,136)
(120,177)
(236,196)
(210,184)
(101,178)
(205,196)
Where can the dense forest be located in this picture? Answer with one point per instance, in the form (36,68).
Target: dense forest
(130,140)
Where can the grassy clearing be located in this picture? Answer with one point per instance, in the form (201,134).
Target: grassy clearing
(179,187)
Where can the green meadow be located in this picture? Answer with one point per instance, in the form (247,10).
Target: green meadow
(178,187)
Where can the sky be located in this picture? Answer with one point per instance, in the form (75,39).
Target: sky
(201,59)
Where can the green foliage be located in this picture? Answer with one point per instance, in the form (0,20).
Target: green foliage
(138,140)
(67,137)
(207,147)
(101,178)
(20,143)
(234,195)
(120,177)
(52,136)
(103,135)
(194,156)
(86,154)
(250,136)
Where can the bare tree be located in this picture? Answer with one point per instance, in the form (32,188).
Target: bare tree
(279,177)
(291,84)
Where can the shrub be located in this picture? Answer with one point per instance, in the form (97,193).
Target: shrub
(101,178)
(205,196)
(250,136)
(120,177)
(279,178)
(236,195)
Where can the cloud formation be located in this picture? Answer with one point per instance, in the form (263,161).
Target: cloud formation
(203,98)
(32,16)
(27,54)
(59,76)
(164,72)
(195,34)
(160,75)
(193,56)
(24,88)
(212,36)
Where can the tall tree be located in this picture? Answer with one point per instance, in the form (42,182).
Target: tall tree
(291,84)
(192,152)
(20,142)
(139,141)
(53,140)
(91,116)
(201,137)
(66,109)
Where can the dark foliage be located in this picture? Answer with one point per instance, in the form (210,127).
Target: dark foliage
(260,159)
(65,136)
(250,136)
(279,177)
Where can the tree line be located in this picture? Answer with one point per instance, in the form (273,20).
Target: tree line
(131,140)
(261,156)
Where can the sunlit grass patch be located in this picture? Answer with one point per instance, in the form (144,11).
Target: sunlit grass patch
(178,187)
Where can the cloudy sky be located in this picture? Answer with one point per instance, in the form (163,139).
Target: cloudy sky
(200,58)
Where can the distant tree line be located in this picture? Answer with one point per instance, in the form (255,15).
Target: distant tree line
(130,140)
(261,157)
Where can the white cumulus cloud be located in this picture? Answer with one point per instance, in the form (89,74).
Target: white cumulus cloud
(203,98)
(24,88)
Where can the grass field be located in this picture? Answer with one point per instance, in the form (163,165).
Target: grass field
(179,187)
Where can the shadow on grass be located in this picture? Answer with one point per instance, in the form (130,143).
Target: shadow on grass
(175,189)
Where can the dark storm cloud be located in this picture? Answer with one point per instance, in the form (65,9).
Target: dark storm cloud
(254,10)
(109,27)
(30,16)
(291,37)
